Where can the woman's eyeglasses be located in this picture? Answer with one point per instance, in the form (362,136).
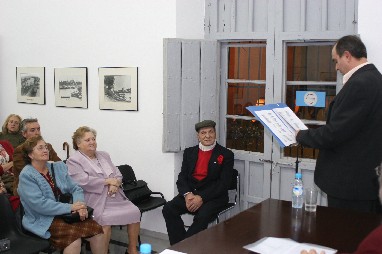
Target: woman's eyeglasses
(42,148)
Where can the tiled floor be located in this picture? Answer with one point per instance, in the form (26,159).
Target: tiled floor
(159,242)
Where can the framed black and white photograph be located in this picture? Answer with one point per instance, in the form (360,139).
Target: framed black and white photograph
(30,84)
(118,88)
(70,87)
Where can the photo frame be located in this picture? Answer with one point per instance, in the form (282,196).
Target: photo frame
(118,88)
(70,87)
(30,85)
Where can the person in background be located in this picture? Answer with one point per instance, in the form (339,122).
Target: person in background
(29,128)
(38,196)
(6,164)
(372,243)
(11,130)
(94,171)
(15,201)
(350,144)
(203,184)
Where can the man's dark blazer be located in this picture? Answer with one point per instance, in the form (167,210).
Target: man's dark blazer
(218,179)
(351,141)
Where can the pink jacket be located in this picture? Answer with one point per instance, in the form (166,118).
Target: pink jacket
(92,179)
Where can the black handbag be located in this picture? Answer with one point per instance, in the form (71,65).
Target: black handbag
(136,191)
(68,198)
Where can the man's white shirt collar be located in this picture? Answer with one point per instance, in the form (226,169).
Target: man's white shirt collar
(351,72)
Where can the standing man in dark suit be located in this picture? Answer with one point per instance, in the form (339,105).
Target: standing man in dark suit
(351,141)
(203,183)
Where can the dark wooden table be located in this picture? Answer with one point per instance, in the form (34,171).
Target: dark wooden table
(336,228)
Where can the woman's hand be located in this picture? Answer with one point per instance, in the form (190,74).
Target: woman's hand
(77,206)
(113,181)
(112,190)
(7,167)
(2,188)
(83,213)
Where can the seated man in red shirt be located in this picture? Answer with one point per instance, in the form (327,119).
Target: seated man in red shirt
(203,184)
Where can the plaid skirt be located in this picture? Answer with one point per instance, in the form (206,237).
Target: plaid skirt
(63,234)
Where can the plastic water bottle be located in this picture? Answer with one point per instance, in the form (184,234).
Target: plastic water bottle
(297,192)
(145,248)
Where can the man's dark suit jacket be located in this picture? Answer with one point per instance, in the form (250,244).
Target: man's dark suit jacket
(351,141)
(218,179)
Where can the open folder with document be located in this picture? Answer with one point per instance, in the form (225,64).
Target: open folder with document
(272,245)
(280,120)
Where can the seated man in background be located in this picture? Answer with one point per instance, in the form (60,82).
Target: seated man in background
(203,183)
(29,128)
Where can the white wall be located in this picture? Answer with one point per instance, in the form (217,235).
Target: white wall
(369,28)
(190,19)
(96,33)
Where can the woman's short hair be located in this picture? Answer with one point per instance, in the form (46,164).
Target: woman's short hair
(28,146)
(80,133)
(4,128)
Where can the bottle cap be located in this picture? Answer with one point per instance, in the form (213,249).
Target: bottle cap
(145,248)
(298,175)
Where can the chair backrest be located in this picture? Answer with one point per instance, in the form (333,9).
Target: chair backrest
(235,185)
(8,222)
(128,175)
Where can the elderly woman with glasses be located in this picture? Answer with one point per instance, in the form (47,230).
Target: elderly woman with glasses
(94,171)
(38,191)
(11,130)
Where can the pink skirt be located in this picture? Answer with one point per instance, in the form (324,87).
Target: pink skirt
(119,211)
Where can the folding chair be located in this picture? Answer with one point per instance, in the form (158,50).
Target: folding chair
(235,188)
(20,242)
(147,204)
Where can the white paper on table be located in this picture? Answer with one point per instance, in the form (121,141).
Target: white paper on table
(166,251)
(271,245)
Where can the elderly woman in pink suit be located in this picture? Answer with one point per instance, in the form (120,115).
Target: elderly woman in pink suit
(94,171)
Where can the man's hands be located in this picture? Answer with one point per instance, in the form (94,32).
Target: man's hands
(193,202)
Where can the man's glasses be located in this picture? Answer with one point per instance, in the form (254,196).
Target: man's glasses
(42,148)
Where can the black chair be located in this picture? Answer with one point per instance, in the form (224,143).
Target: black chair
(20,242)
(147,204)
(235,190)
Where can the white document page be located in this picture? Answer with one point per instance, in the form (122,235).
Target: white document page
(166,251)
(271,245)
(290,118)
(278,128)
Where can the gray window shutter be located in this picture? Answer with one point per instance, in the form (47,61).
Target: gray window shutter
(191,90)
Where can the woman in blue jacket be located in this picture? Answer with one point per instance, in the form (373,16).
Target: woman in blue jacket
(36,190)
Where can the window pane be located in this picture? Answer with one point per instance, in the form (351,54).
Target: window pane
(245,135)
(242,95)
(310,63)
(310,113)
(247,63)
